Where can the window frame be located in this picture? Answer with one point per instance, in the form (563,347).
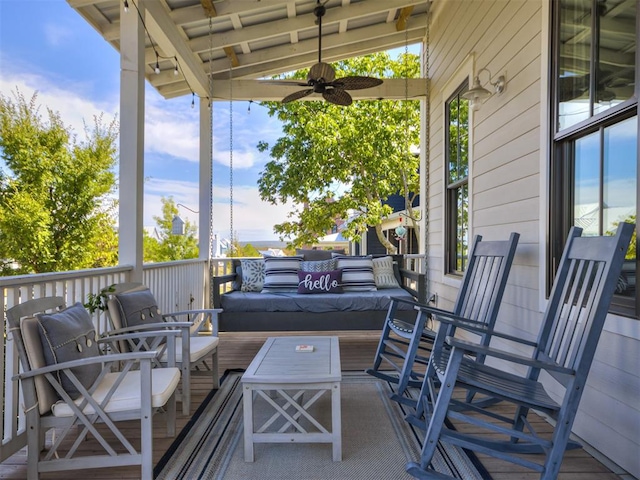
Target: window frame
(562,156)
(451,239)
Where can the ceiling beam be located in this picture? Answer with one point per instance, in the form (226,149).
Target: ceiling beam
(304,53)
(171,41)
(210,11)
(295,24)
(258,90)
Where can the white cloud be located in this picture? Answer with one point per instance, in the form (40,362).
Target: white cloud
(56,34)
(170,130)
(253,219)
(241,159)
(74,109)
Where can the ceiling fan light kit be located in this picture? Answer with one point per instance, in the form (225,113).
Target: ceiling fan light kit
(322,80)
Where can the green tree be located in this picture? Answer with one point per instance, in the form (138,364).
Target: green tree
(344,162)
(56,194)
(167,246)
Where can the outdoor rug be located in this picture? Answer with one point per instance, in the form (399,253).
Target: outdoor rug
(376,441)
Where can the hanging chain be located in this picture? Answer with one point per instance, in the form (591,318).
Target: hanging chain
(231,153)
(427,142)
(406,108)
(212,240)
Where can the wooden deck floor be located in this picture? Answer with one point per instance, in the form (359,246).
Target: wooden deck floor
(357,350)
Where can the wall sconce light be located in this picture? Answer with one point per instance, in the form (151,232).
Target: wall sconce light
(477,94)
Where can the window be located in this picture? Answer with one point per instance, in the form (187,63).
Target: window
(594,170)
(457,182)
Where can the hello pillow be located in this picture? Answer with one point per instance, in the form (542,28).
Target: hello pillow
(320,282)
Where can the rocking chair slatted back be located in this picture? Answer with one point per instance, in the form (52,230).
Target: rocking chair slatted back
(576,303)
(482,287)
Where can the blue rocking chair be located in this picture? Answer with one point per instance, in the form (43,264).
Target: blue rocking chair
(583,288)
(404,346)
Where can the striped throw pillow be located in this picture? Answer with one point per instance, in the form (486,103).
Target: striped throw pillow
(357,273)
(281,274)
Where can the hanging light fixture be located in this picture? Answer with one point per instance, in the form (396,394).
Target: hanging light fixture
(477,94)
(401,231)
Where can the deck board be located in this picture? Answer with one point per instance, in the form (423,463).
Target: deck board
(357,351)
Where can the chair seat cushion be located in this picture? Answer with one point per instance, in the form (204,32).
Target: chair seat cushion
(200,347)
(164,381)
(70,335)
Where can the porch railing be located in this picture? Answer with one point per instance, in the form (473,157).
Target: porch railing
(177,286)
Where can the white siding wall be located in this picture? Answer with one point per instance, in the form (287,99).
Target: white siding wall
(508,193)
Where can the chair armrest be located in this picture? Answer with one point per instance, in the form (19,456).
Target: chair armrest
(212,313)
(218,282)
(158,327)
(474,326)
(471,347)
(420,279)
(102,359)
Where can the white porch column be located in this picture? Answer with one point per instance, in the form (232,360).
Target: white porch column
(131,174)
(206,175)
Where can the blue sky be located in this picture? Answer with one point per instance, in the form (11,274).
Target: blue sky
(46,47)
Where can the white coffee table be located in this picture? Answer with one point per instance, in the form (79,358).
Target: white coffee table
(278,372)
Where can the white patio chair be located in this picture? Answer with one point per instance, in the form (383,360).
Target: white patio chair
(69,386)
(133,308)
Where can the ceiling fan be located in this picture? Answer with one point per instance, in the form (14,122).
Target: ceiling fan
(322,77)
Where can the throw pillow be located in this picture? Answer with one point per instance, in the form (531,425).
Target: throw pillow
(70,335)
(137,307)
(319,265)
(357,273)
(252,275)
(320,282)
(281,274)
(314,254)
(384,274)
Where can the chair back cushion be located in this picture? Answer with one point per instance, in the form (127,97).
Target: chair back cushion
(47,396)
(70,335)
(137,307)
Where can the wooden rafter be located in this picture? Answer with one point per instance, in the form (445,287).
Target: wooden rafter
(405,13)
(210,11)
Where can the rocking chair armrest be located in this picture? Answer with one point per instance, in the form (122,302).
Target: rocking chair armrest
(471,347)
(407,301)
(479,328)
(110,358)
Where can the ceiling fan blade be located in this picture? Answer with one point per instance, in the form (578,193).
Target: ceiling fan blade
(337,96)
(323,71)
(289,83)
(297,95)
(357,83)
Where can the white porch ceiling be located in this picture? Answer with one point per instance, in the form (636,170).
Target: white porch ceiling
(246,40)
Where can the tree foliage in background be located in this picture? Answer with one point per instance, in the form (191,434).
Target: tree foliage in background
(339,162)
(56,194)
(164,246)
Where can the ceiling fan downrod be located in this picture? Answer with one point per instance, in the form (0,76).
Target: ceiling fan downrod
(319,12)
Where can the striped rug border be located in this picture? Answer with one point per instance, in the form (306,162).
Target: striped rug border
(453,457)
